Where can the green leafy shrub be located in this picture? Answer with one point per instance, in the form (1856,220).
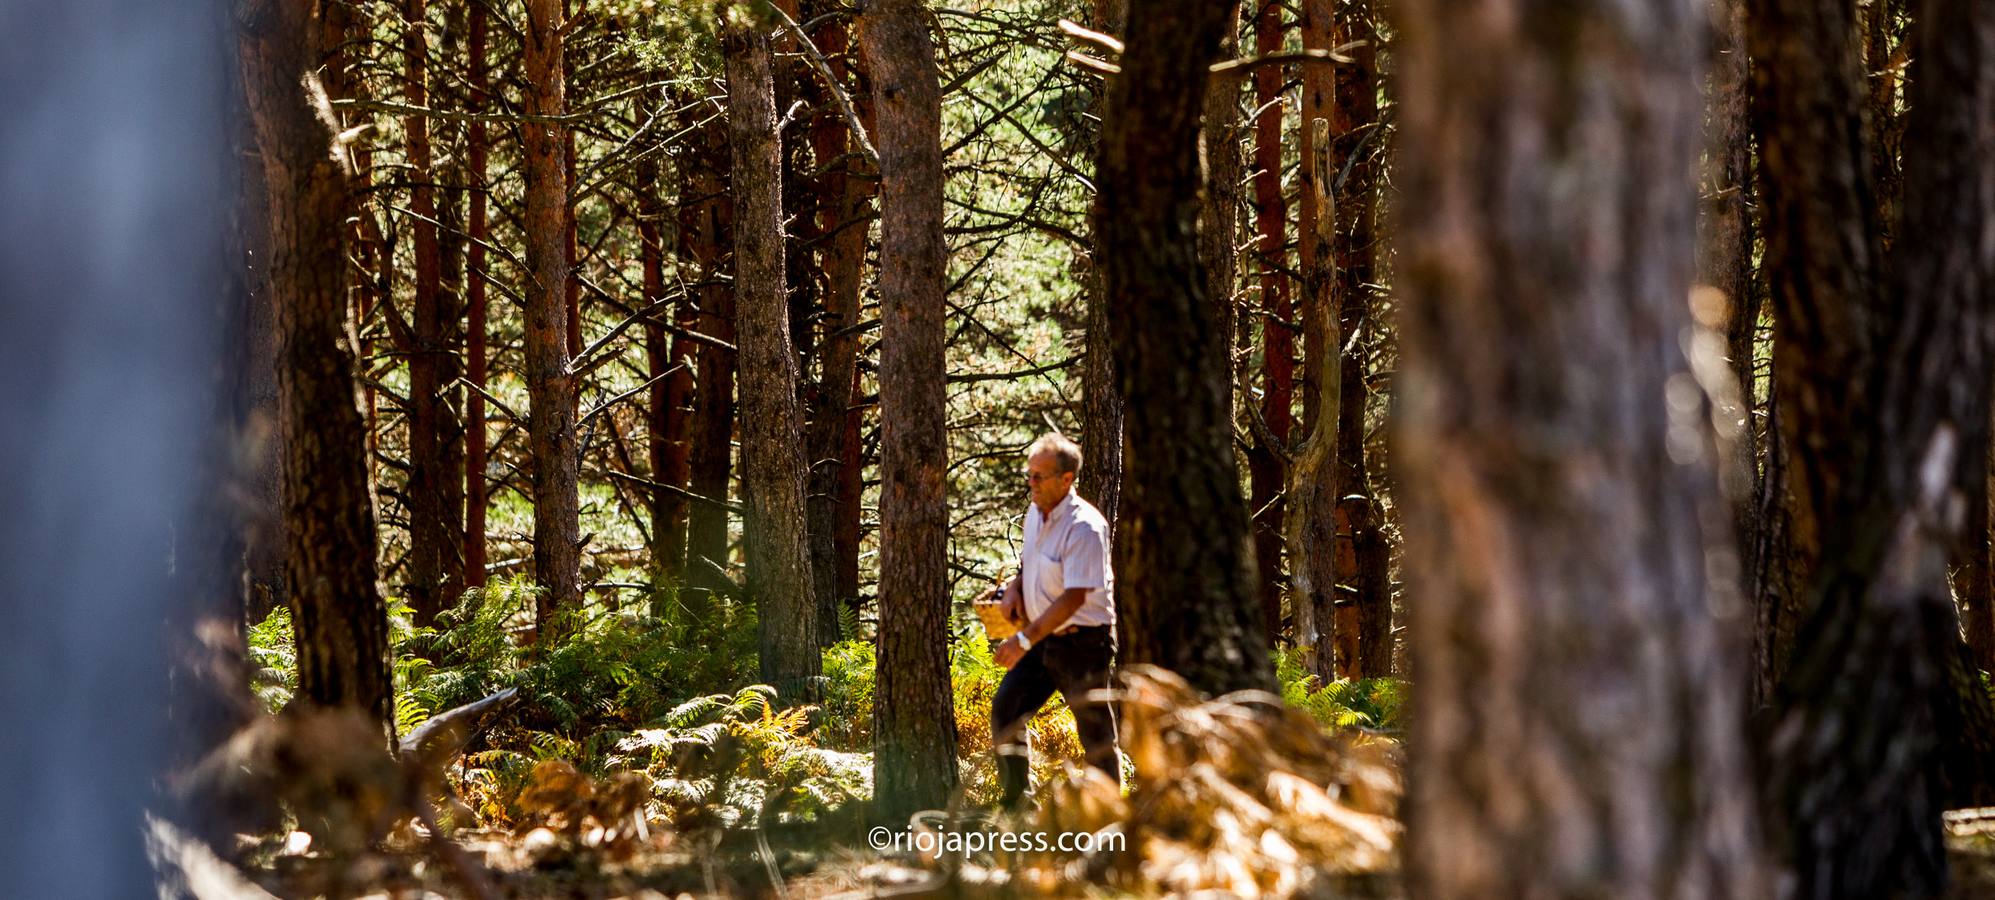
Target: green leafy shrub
(1373,703)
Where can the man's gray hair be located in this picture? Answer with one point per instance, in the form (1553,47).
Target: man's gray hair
(1065,452)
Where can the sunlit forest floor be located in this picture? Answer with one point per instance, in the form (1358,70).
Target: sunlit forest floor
(608,771)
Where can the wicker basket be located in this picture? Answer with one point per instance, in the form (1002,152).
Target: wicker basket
(995,624)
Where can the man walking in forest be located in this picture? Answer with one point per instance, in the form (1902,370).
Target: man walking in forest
(1063,599)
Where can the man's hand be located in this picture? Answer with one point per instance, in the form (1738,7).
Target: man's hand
(1008,653)
(1013,607)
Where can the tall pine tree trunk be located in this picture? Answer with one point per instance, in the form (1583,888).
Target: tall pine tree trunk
(914,731)
(340,624)
(476,152)
(772,465)
(706,220)
(1187,588)
(1577,719)
(1101,419)
(1363,556)
(550,383)
(1265,459)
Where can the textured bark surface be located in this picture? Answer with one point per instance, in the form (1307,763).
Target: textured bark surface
(1219,213)
(549,381)
(1821,259)
(914,722)
(1100,480)
(1187,588)
(1576,714)
(1880,720)
(1265,463)
(777,560)
(337,615)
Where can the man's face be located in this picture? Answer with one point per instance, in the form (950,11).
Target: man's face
(1047,483)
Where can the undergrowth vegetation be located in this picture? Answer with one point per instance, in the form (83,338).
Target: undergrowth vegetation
(630,690)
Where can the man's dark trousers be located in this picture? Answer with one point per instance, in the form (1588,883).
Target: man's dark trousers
(1073,664)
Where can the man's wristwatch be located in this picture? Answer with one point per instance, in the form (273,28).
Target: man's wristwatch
(1024,642)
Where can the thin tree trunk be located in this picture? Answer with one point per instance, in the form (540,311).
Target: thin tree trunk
(550,383)
(1313,477)
(433,525)
(1366,566)
(339,621)
(914,730)
(706,217)
(840,231)
(668,367)
(1577,723)
(778,562)
(1187,588)
(475,328)
(1265,463)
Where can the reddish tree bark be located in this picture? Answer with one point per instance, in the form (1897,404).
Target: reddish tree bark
(1265,463)
(705,220)
(550,382)
(668,364)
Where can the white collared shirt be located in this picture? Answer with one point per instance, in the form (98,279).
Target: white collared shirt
(1067,548)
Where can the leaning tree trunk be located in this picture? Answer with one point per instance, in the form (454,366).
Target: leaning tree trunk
(772,464)
(340,624)
(550,384)
(1313,475)
(1188,588)
(1881,722)
(1577,720)
(914,722)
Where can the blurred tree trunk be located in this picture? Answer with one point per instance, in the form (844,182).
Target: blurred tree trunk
(706,220)
(549,380)
(262,538)
(1188,588)
(1724,265)
(845,195)
(1881,721)
(1266,458)
(914,731)
(777,559)
(1971,575)
(478,147)
(434,527)
(1363,557)
(340,624)
(1577,718)
(1101,420)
